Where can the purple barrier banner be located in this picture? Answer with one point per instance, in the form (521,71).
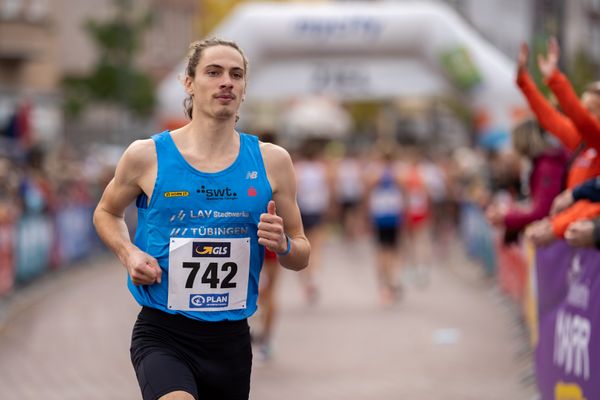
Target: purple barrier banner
(567,356)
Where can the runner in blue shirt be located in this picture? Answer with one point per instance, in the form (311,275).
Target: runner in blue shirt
(386,208)
(209,201)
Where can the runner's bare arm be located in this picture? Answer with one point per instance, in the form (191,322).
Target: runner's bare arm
(130,176)
(287,219)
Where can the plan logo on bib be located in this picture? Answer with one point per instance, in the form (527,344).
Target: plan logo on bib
(209,300)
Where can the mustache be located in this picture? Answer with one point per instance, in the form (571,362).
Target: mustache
(225,93)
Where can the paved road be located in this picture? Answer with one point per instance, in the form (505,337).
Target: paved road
(68,338)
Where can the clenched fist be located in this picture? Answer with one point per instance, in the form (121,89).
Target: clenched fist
(143,268)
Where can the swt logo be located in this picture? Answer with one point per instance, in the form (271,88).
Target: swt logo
(211,249)
(217,194)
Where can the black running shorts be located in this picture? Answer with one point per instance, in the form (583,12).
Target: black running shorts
(210,360)
(387,236)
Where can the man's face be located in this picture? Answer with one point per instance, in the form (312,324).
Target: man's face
(220,82)
(591,102)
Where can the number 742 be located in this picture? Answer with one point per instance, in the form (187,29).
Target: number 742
(211,274)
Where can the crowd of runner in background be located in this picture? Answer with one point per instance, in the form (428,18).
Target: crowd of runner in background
(400,198)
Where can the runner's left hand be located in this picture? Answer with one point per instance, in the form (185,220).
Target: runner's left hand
(270,230)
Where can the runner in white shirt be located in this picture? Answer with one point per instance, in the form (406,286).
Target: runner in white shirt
(313,183)
(349,194)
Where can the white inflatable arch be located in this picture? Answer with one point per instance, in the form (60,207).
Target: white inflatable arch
(362,51)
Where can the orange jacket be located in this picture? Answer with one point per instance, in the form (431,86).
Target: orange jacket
(587,164)
(583,209)
(589,128)
(586,123)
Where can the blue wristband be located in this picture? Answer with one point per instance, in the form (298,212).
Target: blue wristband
(289,247)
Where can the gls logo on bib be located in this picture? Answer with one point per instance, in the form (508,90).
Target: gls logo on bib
(211,249)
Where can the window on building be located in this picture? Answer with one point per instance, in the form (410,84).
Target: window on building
(37,10)
(458,5)
(10,9)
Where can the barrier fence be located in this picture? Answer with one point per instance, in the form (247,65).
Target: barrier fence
(567,356)
(557,289)
(7,244)
(36,243)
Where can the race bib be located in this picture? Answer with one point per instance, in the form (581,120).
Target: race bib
(208,274)
(386,201)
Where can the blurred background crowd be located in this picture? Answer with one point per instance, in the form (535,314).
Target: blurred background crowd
(426,117)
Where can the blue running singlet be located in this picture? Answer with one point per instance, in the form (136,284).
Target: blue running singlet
(202,229)
(386,202)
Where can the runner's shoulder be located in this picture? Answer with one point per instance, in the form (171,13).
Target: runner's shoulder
(141,153)
(138,159)
(274,155)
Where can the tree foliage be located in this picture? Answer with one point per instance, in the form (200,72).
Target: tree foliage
(114,78)
(583,71)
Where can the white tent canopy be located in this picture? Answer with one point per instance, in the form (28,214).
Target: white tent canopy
(359,51)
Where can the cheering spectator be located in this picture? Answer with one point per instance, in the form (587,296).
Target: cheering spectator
(548,166)
(585,163)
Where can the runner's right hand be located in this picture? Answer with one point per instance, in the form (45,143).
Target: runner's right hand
(143,268)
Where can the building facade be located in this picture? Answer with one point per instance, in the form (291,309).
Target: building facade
(43,41)
(29,73)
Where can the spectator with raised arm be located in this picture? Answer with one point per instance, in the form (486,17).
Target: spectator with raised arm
(584,164)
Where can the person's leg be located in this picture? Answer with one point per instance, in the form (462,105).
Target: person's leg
(314,231)
(158,365)
(385,260)
(268,304)
(177,395)
(422,250)
(386,264)
(224,370)
(162,374)
(354,221)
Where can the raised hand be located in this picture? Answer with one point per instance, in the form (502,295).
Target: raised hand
(523,57)
(549,63)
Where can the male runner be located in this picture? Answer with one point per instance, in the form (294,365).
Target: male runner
(209,198)
(386,207)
